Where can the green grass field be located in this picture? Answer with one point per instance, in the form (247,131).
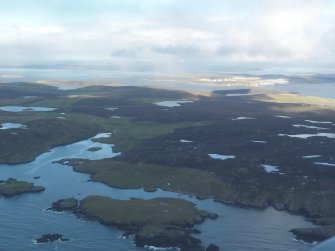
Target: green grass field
(140,175)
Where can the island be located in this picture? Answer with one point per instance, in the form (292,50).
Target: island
(12,187)
(159,222)
(50,238)
(94,149)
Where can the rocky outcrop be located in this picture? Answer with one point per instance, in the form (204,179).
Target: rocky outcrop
(312,235)
(69,204)
(168,237)
(94,149)
(51,238)
(159,222)
(12,187)
(212,247)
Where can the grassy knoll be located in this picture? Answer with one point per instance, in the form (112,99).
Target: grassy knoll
(28,88)
(161,222)
(62,101)
(127,133)
(64,205)
(140,175)
(137,212)
(13,187)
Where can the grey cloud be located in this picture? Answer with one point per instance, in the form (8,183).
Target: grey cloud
(262,49)
(177,49)
(125,53)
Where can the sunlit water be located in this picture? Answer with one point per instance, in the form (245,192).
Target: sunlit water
(94,74)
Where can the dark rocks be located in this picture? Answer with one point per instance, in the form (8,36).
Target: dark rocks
(159,222)
(323,221)
(212,247)
(69,204)
(212,216)
(311,235)
(195,231)
(94,149)
(150,189)
(168,238)
(37,189)
(200,197)
(51,238)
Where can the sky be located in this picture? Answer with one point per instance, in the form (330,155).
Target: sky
(169,34)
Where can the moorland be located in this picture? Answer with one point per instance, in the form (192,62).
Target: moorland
(280,145)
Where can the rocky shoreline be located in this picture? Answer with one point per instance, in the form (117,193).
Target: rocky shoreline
(160,222)
(69,204)
(12,187)
(153,155)
(314,235)
(224,194)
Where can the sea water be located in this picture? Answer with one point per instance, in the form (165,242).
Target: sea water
(24,218)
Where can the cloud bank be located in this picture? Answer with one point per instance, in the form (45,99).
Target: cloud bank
(169,33)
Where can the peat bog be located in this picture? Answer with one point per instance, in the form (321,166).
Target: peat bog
(169,147)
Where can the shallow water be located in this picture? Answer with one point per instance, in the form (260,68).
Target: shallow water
(23,218)
(323,90)
(259,141)
(172,103)
(311,127)
(220,156)
(6,126)
(326,246)
(242,118)
(324,164)
(306,136)
(270,169)
(185,141)
(318,122)
(311,156)
(26,109)
(283,116)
